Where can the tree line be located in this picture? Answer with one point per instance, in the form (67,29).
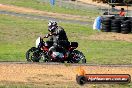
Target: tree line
(114,1)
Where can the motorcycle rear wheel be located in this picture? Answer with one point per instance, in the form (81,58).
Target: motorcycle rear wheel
(77,57)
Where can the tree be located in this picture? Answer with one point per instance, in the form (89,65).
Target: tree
(114,1)
(128,1)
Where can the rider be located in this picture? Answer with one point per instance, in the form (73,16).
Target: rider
(122,12)
(56,34)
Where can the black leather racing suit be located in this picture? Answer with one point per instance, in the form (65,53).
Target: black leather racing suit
(59,39)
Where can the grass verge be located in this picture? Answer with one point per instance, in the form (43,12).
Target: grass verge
(45,6)
(17,35)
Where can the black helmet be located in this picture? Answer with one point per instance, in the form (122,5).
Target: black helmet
(52,25)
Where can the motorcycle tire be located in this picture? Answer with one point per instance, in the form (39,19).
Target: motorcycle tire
(77,57)
(116,21)
(115,25)
(121,18)
(32,55)
(106,23)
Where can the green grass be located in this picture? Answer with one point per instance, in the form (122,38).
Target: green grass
(17,35)
(108,52)
(46,7)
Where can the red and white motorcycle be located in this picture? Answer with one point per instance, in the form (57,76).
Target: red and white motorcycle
(68,54)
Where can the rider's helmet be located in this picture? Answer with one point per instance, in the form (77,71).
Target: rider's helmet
(52,25)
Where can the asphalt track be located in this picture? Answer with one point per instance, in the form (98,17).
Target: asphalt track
(35,17)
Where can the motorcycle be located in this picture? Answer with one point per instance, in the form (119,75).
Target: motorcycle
(41,52)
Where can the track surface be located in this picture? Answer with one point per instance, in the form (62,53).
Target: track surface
(42,17)
(52,74)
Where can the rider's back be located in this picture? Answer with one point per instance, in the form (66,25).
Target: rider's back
(61,34)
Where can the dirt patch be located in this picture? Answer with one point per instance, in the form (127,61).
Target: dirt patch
(51,75)
(38,12)
(111,36)
(93,3)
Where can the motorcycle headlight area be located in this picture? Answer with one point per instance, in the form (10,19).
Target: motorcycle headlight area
(37,42)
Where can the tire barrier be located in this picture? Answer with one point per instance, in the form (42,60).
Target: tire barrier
(106,24)
(126,27)
(116,24)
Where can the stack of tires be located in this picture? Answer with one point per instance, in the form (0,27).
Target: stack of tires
(117,24)
(106,24)
(126,27)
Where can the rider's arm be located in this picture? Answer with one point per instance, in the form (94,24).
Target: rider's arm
(46,36)
(53,33)
(49,34)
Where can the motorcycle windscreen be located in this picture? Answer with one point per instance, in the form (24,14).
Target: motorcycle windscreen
(37,42)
